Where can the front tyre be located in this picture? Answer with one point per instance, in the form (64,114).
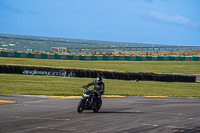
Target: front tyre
(80,106)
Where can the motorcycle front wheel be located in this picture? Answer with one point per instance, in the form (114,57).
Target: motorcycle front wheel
(80,106)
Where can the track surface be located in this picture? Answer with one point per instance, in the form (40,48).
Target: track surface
(33,114)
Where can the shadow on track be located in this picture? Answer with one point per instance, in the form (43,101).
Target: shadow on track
(116,112)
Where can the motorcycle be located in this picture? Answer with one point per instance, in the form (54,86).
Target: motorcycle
(89,101)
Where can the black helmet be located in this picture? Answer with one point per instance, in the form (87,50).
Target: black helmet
(99,78)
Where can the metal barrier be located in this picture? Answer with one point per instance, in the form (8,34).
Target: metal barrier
(99,57)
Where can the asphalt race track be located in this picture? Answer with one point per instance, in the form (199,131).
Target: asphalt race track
(34,114)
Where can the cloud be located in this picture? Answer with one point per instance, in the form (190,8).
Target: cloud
(11,8)
(167,18)
(149,1)
(31,12)
(177,19)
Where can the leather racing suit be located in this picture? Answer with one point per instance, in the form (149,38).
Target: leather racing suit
(98,87)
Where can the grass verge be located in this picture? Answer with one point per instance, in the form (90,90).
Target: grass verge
(65,86)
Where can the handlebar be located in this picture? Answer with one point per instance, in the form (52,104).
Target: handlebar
(85,87)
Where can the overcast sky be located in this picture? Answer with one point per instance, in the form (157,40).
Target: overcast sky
(171,22)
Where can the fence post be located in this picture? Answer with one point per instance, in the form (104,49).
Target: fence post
(176,48)
(58,49)
(79,50)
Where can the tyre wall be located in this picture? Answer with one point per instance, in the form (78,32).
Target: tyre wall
(94,73)
(98,57)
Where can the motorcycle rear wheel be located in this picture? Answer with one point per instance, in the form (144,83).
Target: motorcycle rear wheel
(80,106)
(98,106)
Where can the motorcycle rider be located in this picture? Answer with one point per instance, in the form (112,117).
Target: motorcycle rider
(98,86)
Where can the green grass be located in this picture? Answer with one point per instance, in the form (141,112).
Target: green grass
(191,67)
(54,85)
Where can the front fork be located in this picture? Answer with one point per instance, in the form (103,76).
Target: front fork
(91,103)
